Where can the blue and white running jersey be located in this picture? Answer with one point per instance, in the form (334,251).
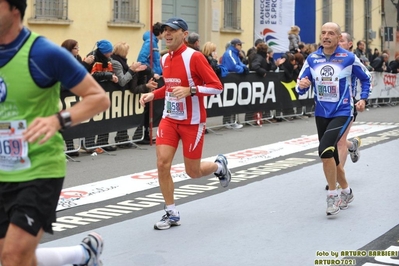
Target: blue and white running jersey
(332,80)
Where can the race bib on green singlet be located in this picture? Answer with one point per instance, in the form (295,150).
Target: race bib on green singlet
(13,149)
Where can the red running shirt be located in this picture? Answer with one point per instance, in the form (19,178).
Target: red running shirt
(187,67)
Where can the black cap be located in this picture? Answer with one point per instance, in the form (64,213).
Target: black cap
(20,5)
(176,23)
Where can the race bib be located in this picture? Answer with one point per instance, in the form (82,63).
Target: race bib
(13,149)
(175,108)
(328,92)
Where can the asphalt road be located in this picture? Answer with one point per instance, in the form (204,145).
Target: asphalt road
(273,212)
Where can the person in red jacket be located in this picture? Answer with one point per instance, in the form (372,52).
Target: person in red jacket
(188,78)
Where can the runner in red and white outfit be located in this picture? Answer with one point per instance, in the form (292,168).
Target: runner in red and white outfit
(188,78)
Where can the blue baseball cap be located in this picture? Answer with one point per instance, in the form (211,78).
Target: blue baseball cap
(176,23)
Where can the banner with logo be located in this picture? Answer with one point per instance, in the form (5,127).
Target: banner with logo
(241,94)
(384,86)
(273,20)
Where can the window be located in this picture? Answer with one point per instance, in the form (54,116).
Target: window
(232,14)
(126,11)
(51,9)
(327,11)
(349,16)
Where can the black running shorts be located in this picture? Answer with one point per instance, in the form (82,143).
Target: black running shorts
(29,205)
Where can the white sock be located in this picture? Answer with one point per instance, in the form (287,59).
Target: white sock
(171,207)
(61,256)
(332,192)
(346,190)
(220,168)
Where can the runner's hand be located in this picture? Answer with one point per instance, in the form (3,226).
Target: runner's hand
(304,83)
(360,105)
(42,129)
(146,97)
(181,92)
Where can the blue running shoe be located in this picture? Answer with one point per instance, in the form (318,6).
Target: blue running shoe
(171,218)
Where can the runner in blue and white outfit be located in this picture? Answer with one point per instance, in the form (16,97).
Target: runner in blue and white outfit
(329,70)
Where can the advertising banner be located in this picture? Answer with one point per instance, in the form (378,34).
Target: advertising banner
(272,21)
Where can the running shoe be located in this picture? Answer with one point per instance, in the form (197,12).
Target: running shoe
(171,218)
(354,153)
(94,245)
(236,126)
(225,175)
(345,200)
(333,203)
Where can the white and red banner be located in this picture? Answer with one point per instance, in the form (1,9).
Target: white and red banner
(384,85)
(272,21)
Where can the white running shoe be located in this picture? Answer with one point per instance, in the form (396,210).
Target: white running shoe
(236,126)
(171,218)
(345,200)
(333,203)
(225,175)
(354,153)
(94,245)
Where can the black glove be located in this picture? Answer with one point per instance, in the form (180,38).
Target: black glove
(246,70)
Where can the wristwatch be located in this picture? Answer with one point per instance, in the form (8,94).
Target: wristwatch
(64,118)
(193,90)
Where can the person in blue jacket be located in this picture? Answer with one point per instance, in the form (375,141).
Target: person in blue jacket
(329,71)
(231,59)
(144,55)
(232,62)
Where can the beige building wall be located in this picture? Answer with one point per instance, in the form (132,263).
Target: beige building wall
(89,21)
(377,21)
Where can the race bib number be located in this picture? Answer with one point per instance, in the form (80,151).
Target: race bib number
(175,108)
(328,92)
(13,149)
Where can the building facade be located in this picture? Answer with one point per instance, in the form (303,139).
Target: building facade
(218,21)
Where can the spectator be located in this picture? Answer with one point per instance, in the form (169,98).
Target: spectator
(193,41)
(380,64)
(144,54)
(360,48)
(143,82)
(243,57)
(289,67)
(232,62)
(252,50)
(125,75)
(73,47)
(302,48)
(209,51)
(273,65)
(394,65)
(366,63)
(102,71)
(375,54)
(231,58)
(295,39)
(258,62)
